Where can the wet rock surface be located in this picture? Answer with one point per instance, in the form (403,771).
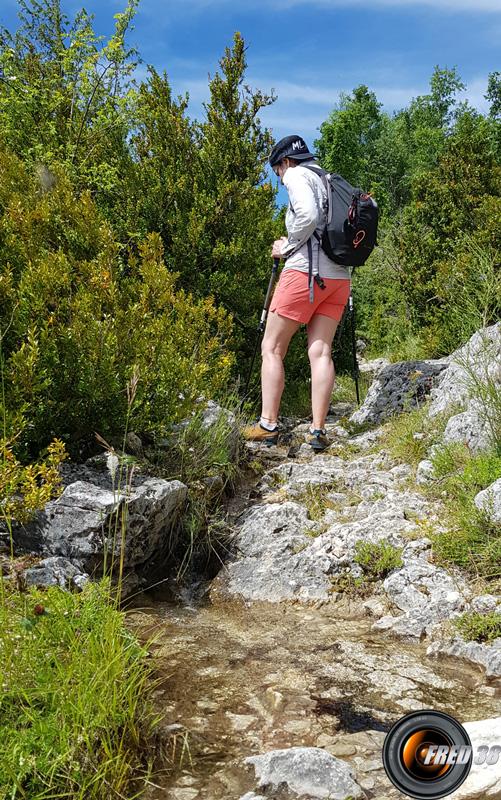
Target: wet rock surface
(305,772)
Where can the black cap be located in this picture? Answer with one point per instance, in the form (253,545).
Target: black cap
(290,147)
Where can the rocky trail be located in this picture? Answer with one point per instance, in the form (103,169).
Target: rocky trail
(280,683)
(280,677)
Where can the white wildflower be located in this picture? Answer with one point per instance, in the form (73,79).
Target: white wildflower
(112,464)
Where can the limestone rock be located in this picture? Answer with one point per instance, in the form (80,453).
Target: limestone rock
(375,366)
(83,524)
(489,500)
(487,656)
(306,772)
(273,560)
(424,472)
(397,387)
(426,594)
(55,571)
(485,603)
(480,356)
(484,780)
(469,428)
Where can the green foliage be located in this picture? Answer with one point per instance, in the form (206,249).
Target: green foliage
(74,711)
(385,318)
(434,168)
(75,328)
(477,627)
(205,454)
(472,539)
(377,559)
(201,185)
(444,208)
(25,489)
(65,94)
(348,137)
(410,435)
(315,499)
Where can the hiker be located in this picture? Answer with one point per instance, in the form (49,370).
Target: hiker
(312,290)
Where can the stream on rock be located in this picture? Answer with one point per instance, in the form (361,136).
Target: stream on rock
(244,679)
(240,677)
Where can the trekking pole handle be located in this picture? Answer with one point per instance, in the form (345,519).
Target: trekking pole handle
(267,301)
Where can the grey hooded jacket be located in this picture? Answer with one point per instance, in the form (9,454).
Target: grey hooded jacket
(305,215)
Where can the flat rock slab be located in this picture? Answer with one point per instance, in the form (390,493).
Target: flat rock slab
(273,560)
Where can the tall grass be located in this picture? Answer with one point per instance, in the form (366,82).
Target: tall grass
(208,459)
(74,714)
(472,539)
(75,711)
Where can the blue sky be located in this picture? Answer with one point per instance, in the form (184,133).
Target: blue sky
(310,50)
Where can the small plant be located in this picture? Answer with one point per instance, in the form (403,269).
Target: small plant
(473,539)
(346,583)
(314,498)
(477,627)
(409,436)
(377,559)
(314,532)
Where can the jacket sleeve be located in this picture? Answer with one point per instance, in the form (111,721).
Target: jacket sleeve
(305,218)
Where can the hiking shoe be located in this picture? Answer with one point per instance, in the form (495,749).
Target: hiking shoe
(256,433)
(318,440)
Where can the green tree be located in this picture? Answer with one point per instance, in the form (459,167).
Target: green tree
(203,186)
(444,208)
(349,135)
(65,94)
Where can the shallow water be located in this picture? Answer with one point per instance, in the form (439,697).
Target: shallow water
(242,679)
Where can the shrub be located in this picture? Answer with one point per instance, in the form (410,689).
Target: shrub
(377,559)
(477,627)
(75,327)
(24,489)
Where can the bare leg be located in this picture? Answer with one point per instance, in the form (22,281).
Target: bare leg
(279,331)
(321,332)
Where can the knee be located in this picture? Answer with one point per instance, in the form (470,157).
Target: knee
(270,347)
(319,350)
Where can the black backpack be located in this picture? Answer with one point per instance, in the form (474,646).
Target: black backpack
(350,233)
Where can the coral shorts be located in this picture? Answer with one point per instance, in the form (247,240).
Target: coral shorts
(292,297)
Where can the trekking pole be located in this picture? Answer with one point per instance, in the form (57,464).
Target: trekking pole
(262,321)
(354,347)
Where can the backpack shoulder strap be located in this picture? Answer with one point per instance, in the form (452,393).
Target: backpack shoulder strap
(324,175)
